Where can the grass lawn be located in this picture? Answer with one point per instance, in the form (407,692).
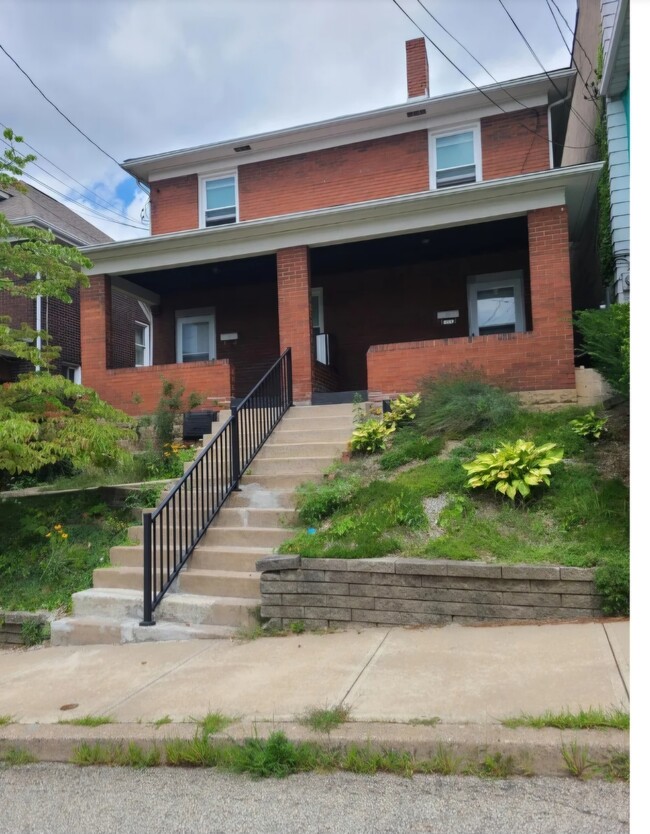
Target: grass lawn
(52,544)
(393,502)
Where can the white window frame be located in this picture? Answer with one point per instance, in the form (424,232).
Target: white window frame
(196,317)
(494,280)
(474,128)
(203,180)
(76,373)
(318,293)
(147,331)
(146,309)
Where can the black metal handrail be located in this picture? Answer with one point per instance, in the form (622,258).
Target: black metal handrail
(174,528)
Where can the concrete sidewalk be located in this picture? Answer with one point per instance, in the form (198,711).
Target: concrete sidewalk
(468,677)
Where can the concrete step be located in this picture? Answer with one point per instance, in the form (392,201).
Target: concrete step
(290,466)
(215,557)
(123,556)
(82,631)
(193,609)
(284,482)
(301,450)
(219,583)
(254,495)
(253,517)
(290,435)
(335,410)
(245,536)
(127,578)
(306,423)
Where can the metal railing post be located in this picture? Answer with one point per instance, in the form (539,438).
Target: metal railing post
(147,619)
(234,449)
(290,376)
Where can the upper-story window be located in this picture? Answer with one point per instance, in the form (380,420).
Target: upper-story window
(219,200)
(455,157)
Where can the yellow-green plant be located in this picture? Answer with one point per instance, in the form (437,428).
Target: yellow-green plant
(371,436)
(402,409)
(513,468)
(589,425)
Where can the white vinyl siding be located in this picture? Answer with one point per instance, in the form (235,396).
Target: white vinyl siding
(619,182)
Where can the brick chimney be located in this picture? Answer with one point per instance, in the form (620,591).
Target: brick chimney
(417,68)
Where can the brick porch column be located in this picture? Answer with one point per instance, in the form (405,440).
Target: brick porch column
(294,314)
(95,303)
(550,288)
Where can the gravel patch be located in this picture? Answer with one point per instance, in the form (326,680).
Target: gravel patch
(433,507)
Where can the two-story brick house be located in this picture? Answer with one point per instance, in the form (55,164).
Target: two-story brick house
(382,247)
(32,207)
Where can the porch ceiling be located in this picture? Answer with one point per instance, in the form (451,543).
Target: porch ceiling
(462,205)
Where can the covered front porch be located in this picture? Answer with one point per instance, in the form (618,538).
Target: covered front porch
(374,305)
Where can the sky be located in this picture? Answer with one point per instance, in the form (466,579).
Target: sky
(148,76)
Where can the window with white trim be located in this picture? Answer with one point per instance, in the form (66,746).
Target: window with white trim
(496,303)
(455,157)
(195,336)
(142,340)
(219,196)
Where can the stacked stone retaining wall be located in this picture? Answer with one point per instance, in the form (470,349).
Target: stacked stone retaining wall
(396,591)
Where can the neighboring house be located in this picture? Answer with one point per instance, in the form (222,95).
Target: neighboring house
(32,207)
(383,248)
(606,23)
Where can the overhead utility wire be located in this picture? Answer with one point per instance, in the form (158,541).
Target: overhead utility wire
(107,207)
(577,68)
(479,89)
(58,110)
(82,206)
(103,203)
(574,33)
(542,67)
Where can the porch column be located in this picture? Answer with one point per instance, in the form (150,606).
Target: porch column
(95,303)
(294,314)
(550,288)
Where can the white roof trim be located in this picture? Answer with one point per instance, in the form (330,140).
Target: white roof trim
(33,220)
(611,59)
(426,210)
(347,129)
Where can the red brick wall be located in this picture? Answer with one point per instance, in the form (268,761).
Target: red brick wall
(136,390)
(334,176)
(417,68)
(541,359)
(326,379)
(294,314)
(62,323)
(174,204)
(508,146)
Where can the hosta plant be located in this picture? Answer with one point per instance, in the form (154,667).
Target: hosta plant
(402,409)
(589,425)
(513,468)
(371,436)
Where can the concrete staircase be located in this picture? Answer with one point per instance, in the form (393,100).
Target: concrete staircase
(217,593)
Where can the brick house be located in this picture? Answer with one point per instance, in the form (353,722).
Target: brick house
(383,248)
(35,208)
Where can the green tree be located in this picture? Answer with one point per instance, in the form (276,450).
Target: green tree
(25,253)
(44,418)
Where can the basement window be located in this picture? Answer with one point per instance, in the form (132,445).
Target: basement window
(455,158)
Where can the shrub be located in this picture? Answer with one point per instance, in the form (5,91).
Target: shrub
(606,339)
(170,406)
(590,425)
(317,501)
(513,468)
(371,436)
(402,409)
(613,584)
(455,406)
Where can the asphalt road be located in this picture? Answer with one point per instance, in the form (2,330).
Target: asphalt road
(63,799)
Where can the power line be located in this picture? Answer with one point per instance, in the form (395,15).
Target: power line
(577,68)
(82,205)
(575,35)
(481,90)
(106,207)
(542,67)
(59,111)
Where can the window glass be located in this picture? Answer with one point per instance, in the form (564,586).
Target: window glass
(140,344)
(220,201)
(455,162)
(496,312)
(195,340)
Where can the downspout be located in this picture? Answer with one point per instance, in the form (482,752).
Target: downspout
(39,323)
(550,126)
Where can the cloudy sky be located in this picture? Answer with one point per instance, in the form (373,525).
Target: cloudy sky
(145,76)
